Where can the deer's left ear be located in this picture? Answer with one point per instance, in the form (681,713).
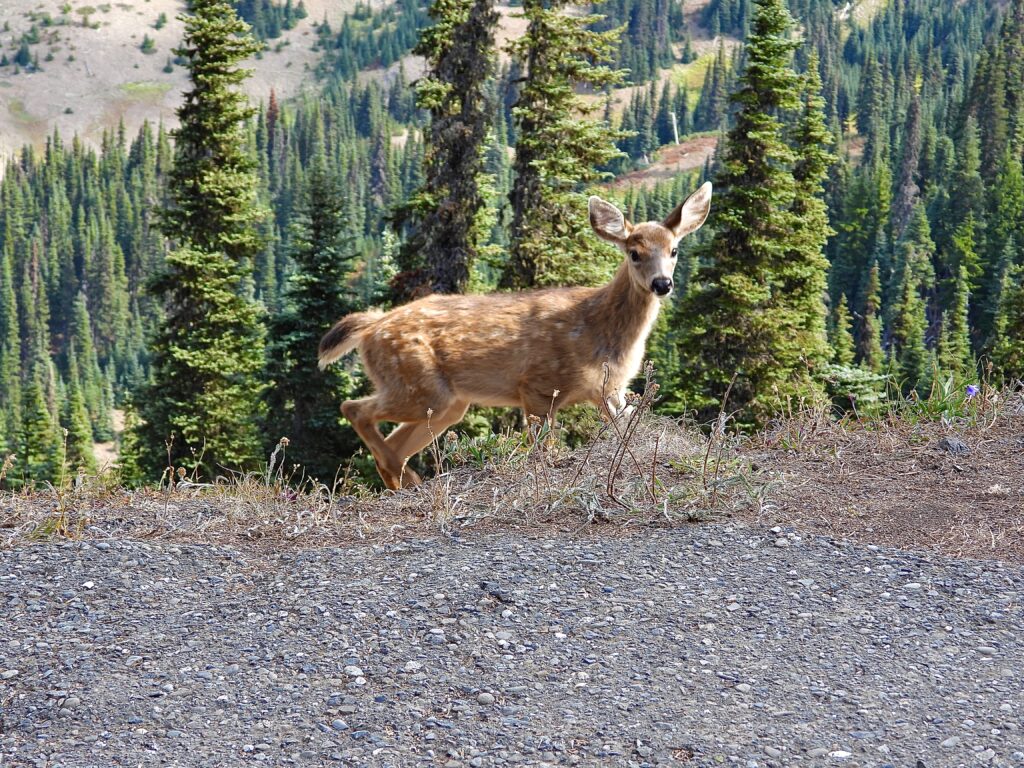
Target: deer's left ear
(608,222)
(689,216)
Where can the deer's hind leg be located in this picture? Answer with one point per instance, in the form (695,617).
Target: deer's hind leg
(412,437)
(365,414)
(412,434)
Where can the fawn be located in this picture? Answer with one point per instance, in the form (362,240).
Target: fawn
(539,350)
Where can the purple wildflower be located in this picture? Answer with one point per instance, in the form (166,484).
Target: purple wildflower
(972,391)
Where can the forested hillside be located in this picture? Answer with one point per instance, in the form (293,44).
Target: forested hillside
(914,105)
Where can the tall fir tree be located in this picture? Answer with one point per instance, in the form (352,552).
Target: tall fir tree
(954,349)
(304,402)
(443,218)
(208,352)
(741,334)
(870,353)
(559,147)
(802,273)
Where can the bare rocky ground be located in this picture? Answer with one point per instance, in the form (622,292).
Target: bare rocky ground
(702,645)
(858,605)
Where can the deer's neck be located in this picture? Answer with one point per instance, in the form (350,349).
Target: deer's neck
(621,318)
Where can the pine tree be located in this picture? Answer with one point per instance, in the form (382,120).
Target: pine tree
(869,348)
(842,334)
(75,419)
(740,333)
(559,147)
(909,327)
(444,214)
(803,270)
(954,353)
(303,402)
(208,352)
(1008,330)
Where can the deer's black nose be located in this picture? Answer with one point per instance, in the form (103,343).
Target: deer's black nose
(661,285)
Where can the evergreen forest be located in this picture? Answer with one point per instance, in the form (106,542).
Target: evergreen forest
(166,290)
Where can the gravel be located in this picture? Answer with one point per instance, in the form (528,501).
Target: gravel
(501,649)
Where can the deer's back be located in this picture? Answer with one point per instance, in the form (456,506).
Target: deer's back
(484,347)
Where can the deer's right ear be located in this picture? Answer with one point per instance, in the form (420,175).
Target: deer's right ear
(608,222)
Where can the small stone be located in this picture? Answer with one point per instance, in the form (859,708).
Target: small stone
(782,541)
(485,698)
(987,754)
(986,650)
(743,688)
(72,701)
(817,752)
(7,674)
(773,751)
(952,741)
(954,445)
(353,671)
(412,666)
(339,725)
(840,754)
(89,584)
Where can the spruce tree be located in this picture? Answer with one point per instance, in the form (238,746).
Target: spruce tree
(954,353)
(443,217)
(910,354)
(869,348)
(740,333)
(1008,329)
(208,352)
(75,419)
(559,147)
(802,271)
(843,351)
(304,402)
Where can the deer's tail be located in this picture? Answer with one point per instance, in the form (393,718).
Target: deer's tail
(345,336)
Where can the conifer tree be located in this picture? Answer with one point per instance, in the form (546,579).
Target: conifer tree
(559,147)
(842,334)
(802,272)
(76,421)
(740,334)
(10,358)
(444,214)
(954,353)
(910,354)
(869,347)
(1008,329)
(303,402)
(208,352)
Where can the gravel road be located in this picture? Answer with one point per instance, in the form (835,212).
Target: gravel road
(698,646)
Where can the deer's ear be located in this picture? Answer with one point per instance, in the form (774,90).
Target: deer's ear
(689,216)
(608,222)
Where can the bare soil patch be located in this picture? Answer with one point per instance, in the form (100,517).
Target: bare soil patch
(901,485)
(669,162)
(889,482)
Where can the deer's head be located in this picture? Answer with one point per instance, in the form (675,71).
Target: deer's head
(650,247)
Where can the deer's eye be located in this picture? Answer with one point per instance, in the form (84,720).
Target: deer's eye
(634,256)
(675,252)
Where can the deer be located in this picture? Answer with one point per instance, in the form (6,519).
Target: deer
(539,350)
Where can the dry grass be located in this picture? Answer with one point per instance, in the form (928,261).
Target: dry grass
(640,470)
(887,480)
(894,480)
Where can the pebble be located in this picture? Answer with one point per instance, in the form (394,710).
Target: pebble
(782,542)
(607,635)
(952,741)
